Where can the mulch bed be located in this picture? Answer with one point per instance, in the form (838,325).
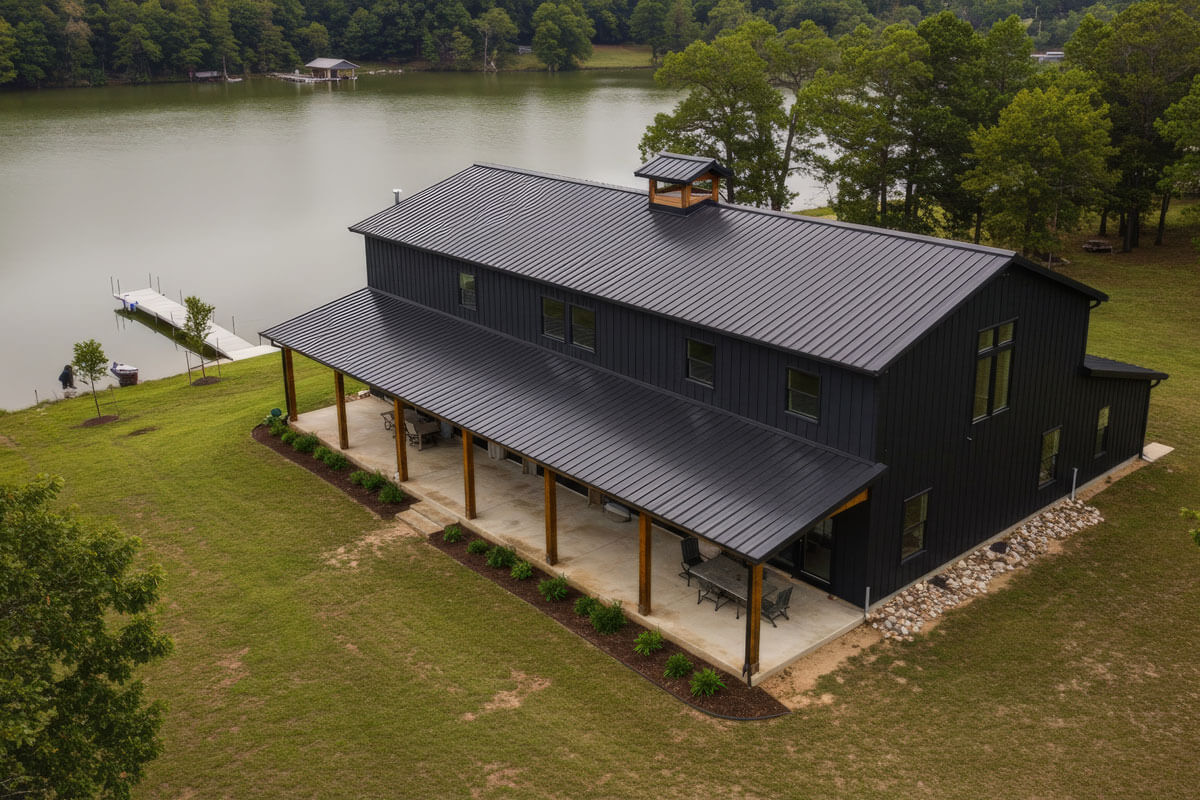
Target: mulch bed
(735,701)
(339,478)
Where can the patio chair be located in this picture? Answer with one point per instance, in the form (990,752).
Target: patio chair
(388,420)
(708,591)
(777,607)
(691,557)
(421,433)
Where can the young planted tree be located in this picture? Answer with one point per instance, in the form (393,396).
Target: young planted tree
(197,326)
(90,363)
(75,620)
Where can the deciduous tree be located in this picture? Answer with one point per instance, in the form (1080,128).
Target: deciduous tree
(496,28)
(1041,166)
(196,326)
(75,621)
(562,34)
(91,364)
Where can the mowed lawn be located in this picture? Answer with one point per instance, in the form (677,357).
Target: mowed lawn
(409,676)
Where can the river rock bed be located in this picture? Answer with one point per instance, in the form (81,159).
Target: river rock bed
(906,613)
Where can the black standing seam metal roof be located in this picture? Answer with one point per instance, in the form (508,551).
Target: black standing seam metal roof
(847,294)
(742,485)
(676,168)
(1098,367)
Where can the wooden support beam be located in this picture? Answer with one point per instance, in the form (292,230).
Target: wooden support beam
(753,619)
(716,188)
(551,516)
(289,384)
(468,473)
(339,388)
(401,445)
(645,548)
(861,497)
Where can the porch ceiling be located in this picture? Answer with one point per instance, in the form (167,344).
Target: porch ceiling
(744,486)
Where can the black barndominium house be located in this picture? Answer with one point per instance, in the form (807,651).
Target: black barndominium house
(854,406)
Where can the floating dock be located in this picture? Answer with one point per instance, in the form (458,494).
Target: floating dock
(225,342)
(296,77)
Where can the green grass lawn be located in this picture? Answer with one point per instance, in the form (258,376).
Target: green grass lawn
(410,676)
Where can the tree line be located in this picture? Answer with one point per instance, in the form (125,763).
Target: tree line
(940,128)
(87,42)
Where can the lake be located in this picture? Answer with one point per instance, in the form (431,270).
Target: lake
(241,193)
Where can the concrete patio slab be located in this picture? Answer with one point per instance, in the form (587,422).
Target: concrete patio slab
(597,553)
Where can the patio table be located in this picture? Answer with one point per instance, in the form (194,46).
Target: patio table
(729,578)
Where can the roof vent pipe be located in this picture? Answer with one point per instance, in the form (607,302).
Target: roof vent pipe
(396,194)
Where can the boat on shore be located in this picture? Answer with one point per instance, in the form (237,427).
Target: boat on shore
(126,374)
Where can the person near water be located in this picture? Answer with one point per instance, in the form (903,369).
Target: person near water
(67,378)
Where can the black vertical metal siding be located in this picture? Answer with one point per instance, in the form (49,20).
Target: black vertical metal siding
(750,379)
(984,476)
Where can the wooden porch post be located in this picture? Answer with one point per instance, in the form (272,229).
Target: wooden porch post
(753,620)
(468,473)
(401,445)
(644,552)
(551,516)
(339,386)
(289,384)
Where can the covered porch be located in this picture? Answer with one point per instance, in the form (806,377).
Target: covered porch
(596,552)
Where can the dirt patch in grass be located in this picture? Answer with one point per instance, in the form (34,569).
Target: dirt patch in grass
(205,381)
(94,421)
(794,685)
(339,478)
(142,431)
(735,701)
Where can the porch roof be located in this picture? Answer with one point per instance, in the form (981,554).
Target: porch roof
(742,485)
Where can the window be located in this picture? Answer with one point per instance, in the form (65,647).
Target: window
(700,358)
(554,319)
(993,370)
(803,393)
(583,328)
(916,513)
(1101,433)
(466,290)
(1048,469)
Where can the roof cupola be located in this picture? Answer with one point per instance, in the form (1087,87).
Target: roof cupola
(680,183)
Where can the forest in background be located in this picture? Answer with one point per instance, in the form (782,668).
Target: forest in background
(79,43)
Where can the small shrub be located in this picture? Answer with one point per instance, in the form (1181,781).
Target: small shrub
(306,443)
(322,453)
(678,665)
(374,481)
(391,493)
(277,426)
(522,571)
(452,534)
(608,619)
(477,547)
(648,642)
(501,557)
(288,436)
(358,477)
(705,683)
(585,604)
(337,461)
(554,588)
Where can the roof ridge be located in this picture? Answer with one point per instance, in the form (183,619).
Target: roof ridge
(870,229)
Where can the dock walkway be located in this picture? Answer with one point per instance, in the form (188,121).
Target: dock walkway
(225,342)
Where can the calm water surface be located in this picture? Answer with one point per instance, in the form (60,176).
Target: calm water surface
(241,193)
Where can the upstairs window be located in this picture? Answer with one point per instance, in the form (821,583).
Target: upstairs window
(1101,433)
(700,359)
(993,370)
(1048,468)
(804,394)
(912,535)
(466,290)
(583,328)
(554,319)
